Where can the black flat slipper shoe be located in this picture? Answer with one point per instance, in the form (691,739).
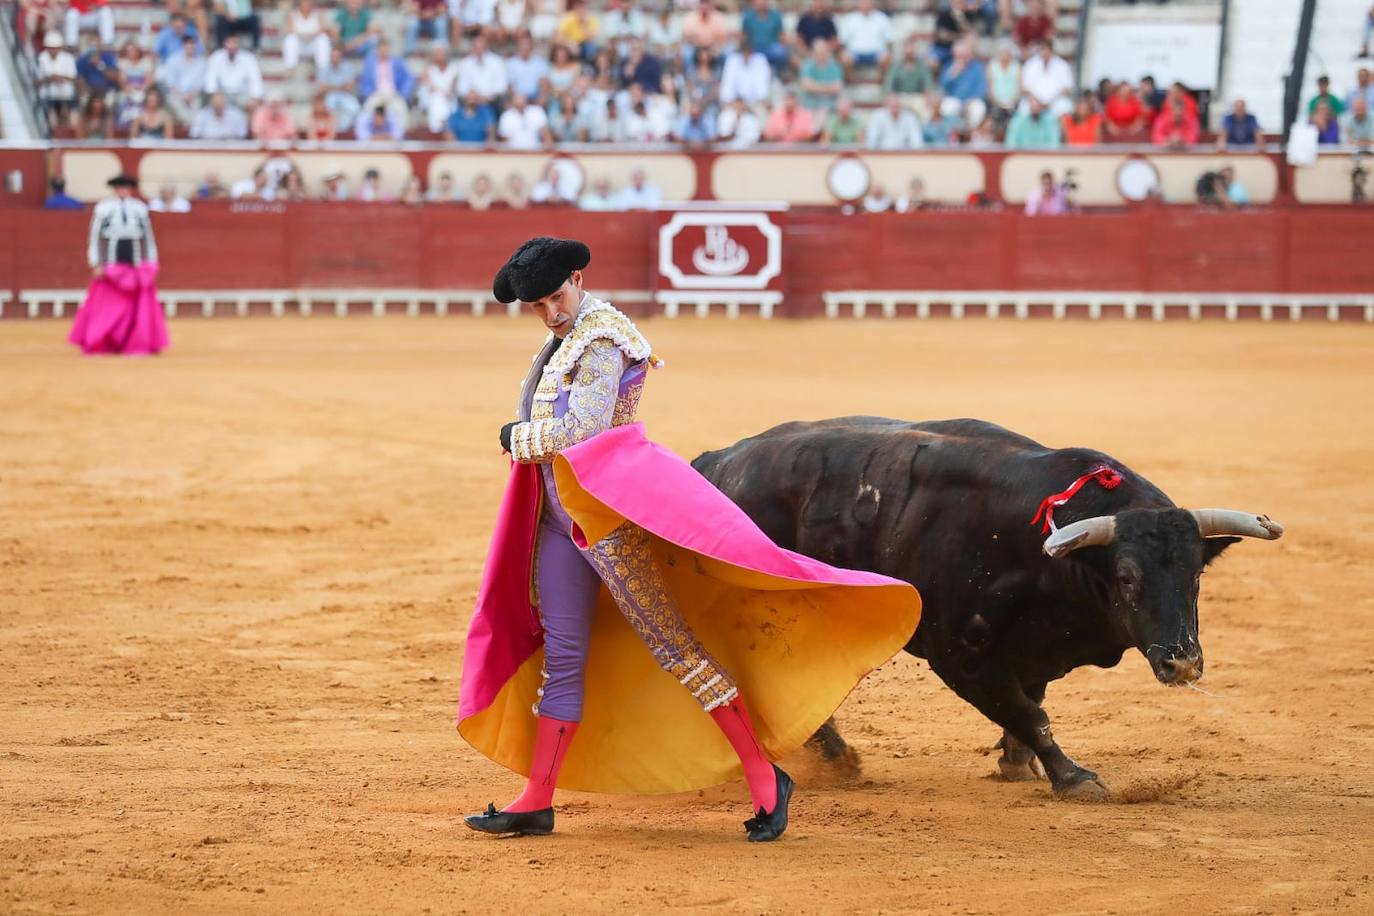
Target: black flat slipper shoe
(769,825)
(523,823)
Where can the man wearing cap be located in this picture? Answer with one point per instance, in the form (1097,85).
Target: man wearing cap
(121,313)
(56,78)
(608,544)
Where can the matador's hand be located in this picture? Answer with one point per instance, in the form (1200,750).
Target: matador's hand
(505,436)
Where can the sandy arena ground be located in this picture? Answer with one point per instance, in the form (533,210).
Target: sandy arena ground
(237,579)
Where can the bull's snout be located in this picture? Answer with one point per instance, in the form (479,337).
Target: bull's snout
(1179,669)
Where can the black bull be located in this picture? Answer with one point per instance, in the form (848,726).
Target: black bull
(947,506)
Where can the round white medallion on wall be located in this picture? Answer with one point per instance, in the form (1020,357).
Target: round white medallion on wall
(1137,179)
(571,176)
(848,178)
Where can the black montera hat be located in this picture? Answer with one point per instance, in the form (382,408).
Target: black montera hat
(538,268)
(123,180)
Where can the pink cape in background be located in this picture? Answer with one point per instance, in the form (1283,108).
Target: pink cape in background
(121,313)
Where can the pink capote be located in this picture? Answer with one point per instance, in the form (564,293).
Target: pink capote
(121,313)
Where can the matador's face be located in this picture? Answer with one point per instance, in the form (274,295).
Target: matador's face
(558,309)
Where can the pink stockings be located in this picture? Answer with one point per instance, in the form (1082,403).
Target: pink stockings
(550,745)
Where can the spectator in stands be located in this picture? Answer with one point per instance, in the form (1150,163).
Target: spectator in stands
(212,188)
(737,126)
(579,30)
(1324,95)
(386,83)
(1179,93)
(169,201)
(1221,189)
(153,121)
(876,200)
(516,196)
(1175,128)
(305,30)
(1035,26)
(816,24)
(219,121)
(323,123)
(1328,128)
(170,38)
(555,187)
(640,193)
(704,31)
(761,28)
(1238,128)
(234,72)
(86,15)
(512,20)
(1048,79)
(1235,193)
(595,118)
(438,88)
(600,197)
(665,34)
(953,23)
(563,68)
(96,121)
(843,128)
(893,127)
(701,85)
(908,74)
(866,34)
(484,72)
(1049,199)
(136,73)
(354,26)
(947,127)
(914,199)
(523,125)
(983,136)
(235,17)
(1358,124)
(291,187)
(747,75)
(1368,33)
(182,78)
(790,122)
(695,127)
(965,81)
(380,121)
(335,187)
(371,191)
(525,70)
(620,23)
(1125,114)
(473,122)
(444,191)
(273,121)
(1105,89)
(56,79)
(59,199)
(412,192)
(1083,127)
(473,17)
(1033,127)
(1004,84)
(257,187)
(562,113)
(425,19)
(821,78)
(641,68)
(339,83)
(1364,86)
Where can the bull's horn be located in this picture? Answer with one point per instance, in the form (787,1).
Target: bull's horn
(1090,532)
(1222,522)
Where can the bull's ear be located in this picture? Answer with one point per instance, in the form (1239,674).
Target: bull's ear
(1213,547)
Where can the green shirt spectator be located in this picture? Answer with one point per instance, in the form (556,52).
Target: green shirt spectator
(1034,129)
(908,75)
(353,21)
(821,78)
(1324,94)
(843,128)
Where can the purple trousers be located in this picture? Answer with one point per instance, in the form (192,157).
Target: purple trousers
(568,581)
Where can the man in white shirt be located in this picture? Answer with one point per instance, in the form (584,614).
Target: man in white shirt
(169,201)
(182,77)
(438,92)
(640,194)
(234,72)
(482,72)
(600,197)
(259,187)
(522,125)
(893,127)
(219,121)
(866,35)
(1047,78)
(56,77)
(746,75)
(737,126)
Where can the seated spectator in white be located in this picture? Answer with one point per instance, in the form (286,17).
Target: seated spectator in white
(876,200)
(556,186)
(386,83)
(438,89)
(866,34)
(444,191)
(339,82)
(621,23)
(1004,82)
(273,121)
(234,17)
(1049,198)
(595,118)
(473,17)
(523,125)
(137,74)
(820,78)
(790,122)
(322,124)
(482,193)
(746,75)
(660,110)
(516,195)
(1358,124)
(844,128)
(665,33)
(335,187)
(893,127)
(599,197)
(378,123)
(909,74)
(914,199)
(169,201)
(182,78)
(1364,86)
(946,127)
(234,72)
(695,127)
(639,194)
(413,192)
(1034,127)
(564,69)
(965,82)
(483,72)
(631,123)
(258,187)
(1238,128)
(511,19)
(472,122)
(219,121)
(641,68)
(88,15)
(984,136)
(211,188)
(425,19)
(169,38)
(305,29)
(526,69)
(370,191)
(56,79)
(1048,79)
